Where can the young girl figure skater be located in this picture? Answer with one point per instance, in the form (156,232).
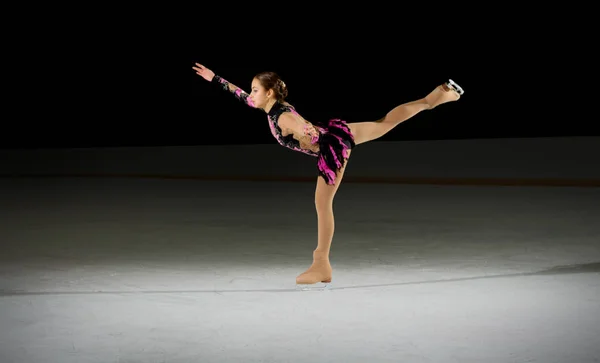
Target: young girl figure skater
(330,142)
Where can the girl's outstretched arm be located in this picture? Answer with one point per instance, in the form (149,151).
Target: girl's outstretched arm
(239,93)
(210,76)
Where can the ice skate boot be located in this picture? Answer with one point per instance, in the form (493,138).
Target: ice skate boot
(446,92)
(317,276)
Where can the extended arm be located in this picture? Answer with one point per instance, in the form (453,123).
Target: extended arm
(210,76)
(237,92)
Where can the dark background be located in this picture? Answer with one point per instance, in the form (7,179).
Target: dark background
(136,87)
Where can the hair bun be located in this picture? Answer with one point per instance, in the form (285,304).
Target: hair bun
(283,88)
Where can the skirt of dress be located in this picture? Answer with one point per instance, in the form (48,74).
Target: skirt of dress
(334,142)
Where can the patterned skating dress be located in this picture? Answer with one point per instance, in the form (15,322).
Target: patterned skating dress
(329,142)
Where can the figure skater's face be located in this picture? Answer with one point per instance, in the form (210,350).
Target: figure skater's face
(259,95)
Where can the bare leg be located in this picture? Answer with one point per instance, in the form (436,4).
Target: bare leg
(367,131)
(320,270)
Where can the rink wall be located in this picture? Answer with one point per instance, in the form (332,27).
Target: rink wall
(567,161)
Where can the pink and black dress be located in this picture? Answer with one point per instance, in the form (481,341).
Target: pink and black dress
(329,144)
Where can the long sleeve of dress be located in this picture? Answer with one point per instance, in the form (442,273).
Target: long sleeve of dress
(239,93)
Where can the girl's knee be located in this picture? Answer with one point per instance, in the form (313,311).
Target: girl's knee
(323,206)
(324,198)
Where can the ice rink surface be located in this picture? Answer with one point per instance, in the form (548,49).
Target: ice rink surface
(149,270)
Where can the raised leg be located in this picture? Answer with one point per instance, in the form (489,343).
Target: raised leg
(371,130)
(320,270)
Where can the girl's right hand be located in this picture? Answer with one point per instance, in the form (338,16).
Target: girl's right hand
(206,73)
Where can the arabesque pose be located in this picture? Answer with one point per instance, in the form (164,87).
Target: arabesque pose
(330,142)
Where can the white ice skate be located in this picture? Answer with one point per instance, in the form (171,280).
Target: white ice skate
(453,85)
(319,286)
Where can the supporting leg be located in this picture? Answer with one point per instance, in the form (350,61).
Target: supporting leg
(320,270)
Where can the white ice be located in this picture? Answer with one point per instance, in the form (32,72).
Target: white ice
(148,270)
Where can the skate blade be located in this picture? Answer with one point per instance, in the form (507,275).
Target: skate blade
(319,286)
(455,87)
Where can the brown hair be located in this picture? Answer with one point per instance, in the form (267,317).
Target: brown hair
(271,80)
